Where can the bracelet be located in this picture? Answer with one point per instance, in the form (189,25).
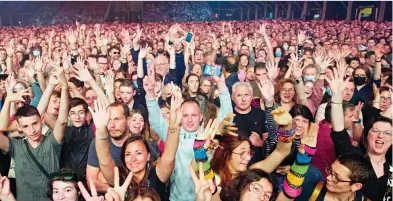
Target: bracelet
(336,103)
(298,81)
(378,60)
(102,138)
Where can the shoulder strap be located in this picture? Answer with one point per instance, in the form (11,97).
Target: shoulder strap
(316,191)
(42,169)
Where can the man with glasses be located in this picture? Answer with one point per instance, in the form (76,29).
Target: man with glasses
(249,119)
(77,138)
(114,53)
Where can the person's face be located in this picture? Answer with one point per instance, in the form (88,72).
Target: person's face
(287,93)
(3,55)
(90,96)
(244,50)
(349,118)
(310,72)
(244,61)
(199,57)
(360,73)
(2,87)
(19,56)
(206,86)
(192,116)
(136,156)
(358,40)
(160,45)
(117,125)
(87,52)
(308,86)
(224,50)
(166,92)
(379,138)
(203,47)
(240,157)
(54,106)
(216,94)
(94,51)
(370,43)
(77,115)
(136,123)
(81,52)
(354,64)
(339,174)
(197,70)
(250,75)
(126,94)
(22,75)
(165,113)
(116,64)
(259,73)
(103,64)
(31,127)
(161,65)
(307,54)
(261,190)
(291,49)
(302,125)
(178,47)
(64,191)
(348,91)
(158,86)
(385,101)
(387,49)
(193,84)
(371,61)
(242,97)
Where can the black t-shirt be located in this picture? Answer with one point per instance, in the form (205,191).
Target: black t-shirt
(75,149)
(358,196)
(154,182)
(255,121)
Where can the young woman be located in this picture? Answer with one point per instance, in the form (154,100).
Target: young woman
(191,86)
(64,186)
(364,81)
(135,154)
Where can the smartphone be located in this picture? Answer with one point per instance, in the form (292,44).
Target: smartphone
(189,37)
(210,70)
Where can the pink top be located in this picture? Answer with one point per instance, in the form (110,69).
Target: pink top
(316,97)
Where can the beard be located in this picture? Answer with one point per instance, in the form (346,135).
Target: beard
(160,51)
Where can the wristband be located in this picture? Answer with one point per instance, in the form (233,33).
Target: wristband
(102,138)
(357,121)
(209,175)
(310,150)
(298,81)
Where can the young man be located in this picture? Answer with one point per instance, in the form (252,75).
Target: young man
(129,96)
(77,138)
(33,173)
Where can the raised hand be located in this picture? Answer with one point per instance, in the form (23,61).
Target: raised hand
(337,84)
(10,82)
(19,96)
(358,110)
(10,48)
(71,36)
(137,35)
(94,195)
(149,82)
(82,73)
(38,64)
(226,126)
(256,139)
(92,64)
(309,137)
(52,34)
(100,113)
(208,132)
(297,70)
(202,188)
(175,112)
(262,29)
(143,52)
(121,190)
(109,82)
(267,88)
(301,37)
(341,67)
(281,116)
(272,69)
(5,190)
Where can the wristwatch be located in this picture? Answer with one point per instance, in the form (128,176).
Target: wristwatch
(299,80)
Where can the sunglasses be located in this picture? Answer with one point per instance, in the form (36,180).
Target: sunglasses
(62,176)
(116,52)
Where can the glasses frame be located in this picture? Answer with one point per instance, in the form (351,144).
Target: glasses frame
(329,171)
(242,155)
(267,196)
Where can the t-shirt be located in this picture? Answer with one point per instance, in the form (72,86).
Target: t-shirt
(31,183)
(76,148)
(115,151)
(154,182)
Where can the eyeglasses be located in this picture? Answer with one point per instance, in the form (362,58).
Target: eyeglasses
(335,179)
(245,154)
(382,99)
(257,189)
(376,132)
(287,90)
(75,114)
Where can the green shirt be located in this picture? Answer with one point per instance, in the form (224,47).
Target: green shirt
(31,183)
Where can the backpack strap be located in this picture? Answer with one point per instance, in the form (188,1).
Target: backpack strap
(42,169)
(316,191)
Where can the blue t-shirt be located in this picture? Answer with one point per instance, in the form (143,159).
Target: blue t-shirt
(92,159)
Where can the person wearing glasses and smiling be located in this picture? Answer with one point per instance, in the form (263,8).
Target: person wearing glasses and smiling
(376,144)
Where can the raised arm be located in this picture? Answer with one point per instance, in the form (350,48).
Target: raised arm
(50,46)
(167,162)
(337,85)
(297,72)
(58,130)
(142,54)
(101,119)
(10,52)
(378,62)
(262,31)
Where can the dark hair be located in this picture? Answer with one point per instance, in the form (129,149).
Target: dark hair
(127,83)
(367,128)
(301,110)
(360,167)
(186,93)
(143,192)
(369,54)
(349,60)
(146,128)
(64,175)
(124,171)
(230,64)
(259,66)
(76,82)
(126,110)
(328,112)
(223,153)
(234,189)
(365,69)
(76,102)
(26,111)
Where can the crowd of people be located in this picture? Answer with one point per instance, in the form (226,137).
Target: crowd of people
(232,111)
(175,11)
